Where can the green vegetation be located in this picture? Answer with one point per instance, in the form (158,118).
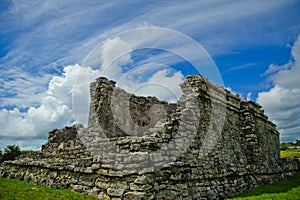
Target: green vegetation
(290,149)
(11,152)
(288,188)
(14,189)
(293,194)
(290,153)
(289,145)
(11,149)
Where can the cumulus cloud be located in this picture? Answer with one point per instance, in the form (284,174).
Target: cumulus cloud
(281,102)
(163,84)
(115,53)
(169,89)
(14,123)
(81,93)
(55,110)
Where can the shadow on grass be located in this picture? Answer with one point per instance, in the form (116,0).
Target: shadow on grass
(277,187)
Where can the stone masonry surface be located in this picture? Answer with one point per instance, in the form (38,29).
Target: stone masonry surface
(210,145)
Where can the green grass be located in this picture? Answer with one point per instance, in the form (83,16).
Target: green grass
(293,194)
(12,189)
(288,188)
(290,153)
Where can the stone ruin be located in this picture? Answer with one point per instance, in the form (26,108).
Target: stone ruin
(211,144)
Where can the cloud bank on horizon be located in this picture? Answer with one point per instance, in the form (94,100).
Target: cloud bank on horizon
(254,45)
(282,101)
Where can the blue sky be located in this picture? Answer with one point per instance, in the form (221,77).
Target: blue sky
(255,46)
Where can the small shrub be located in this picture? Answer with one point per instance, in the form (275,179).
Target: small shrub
(11,152)
(284,146)
(7,157)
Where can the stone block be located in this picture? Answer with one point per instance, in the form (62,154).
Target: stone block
(134,195)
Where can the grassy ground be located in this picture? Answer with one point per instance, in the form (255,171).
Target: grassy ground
(290,153)
(11,189)
(288,188)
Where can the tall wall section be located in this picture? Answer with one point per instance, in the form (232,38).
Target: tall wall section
(210,145)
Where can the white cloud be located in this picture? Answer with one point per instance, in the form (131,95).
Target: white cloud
(163,84)
(276,68)
(51,114)
(168,86)
(153,79)
(14,123)
(249,96)
(20,88)
(60,87)
(114,53)
(81,93)
(282,102)
(55,110)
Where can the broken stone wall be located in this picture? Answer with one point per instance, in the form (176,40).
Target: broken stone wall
(210,145)
(112,108)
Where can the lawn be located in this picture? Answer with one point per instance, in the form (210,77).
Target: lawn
(290,153)
(12,189)
(288,188)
